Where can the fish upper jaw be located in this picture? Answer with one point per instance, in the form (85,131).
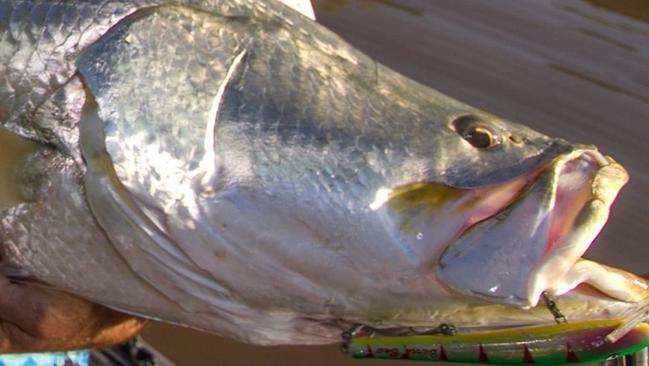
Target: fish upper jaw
(536,243)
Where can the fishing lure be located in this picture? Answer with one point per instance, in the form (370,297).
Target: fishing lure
(557,344)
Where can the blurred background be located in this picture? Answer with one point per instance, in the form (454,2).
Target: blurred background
(578,69)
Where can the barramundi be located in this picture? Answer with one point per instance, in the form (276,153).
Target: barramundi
(233,166)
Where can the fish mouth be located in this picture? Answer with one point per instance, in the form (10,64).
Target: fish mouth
(534,245)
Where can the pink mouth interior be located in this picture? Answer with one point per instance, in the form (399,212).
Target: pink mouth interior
(573,191)
(493,200)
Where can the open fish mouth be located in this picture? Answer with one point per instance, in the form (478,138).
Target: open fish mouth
(534,245)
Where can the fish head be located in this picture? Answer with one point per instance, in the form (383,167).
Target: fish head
(505,218)
(507,215)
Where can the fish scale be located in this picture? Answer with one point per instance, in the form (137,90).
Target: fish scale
(41,40)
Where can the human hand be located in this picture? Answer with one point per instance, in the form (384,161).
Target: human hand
(34,318)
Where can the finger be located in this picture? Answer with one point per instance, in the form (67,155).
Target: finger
(122,329)
(14,339)
(13,307)
(26,305)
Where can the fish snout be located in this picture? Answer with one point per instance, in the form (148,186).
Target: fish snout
(536,243)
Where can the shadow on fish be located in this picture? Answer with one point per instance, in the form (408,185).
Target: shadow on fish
(235,167)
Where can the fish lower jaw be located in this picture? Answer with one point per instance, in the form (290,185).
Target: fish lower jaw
(612,282)
(564,269)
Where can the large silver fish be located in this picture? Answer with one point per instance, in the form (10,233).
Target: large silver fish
(232,166)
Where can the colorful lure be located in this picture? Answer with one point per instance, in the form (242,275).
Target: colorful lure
(566,343)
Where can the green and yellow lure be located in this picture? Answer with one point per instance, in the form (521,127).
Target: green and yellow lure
(557,344)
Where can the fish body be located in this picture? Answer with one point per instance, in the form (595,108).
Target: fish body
(233,166)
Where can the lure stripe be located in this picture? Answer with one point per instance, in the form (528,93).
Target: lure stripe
(442,354)
(527,356)
(482,358)
(571,356)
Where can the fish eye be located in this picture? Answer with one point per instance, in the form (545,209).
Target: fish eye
(476,132)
